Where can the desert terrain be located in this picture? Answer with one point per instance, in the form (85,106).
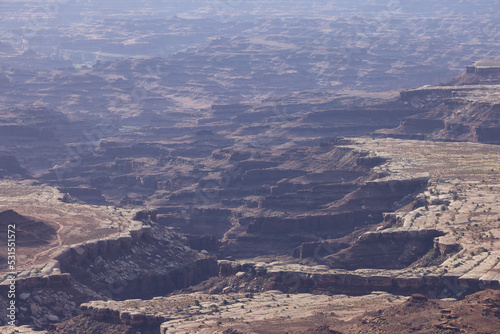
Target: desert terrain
(248,167)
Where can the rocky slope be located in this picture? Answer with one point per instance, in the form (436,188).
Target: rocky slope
(276,312)
(466,109)
(59,268)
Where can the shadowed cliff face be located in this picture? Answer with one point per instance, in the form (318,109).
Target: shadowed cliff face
(10,166)
(29,232)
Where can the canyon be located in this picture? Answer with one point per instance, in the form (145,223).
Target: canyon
(279,174)
(350,216)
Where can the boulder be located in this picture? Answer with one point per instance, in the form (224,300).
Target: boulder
(78,253)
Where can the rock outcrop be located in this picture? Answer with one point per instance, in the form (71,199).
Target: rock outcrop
(146,261)
(466,109)
(295,278)
(388,249)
